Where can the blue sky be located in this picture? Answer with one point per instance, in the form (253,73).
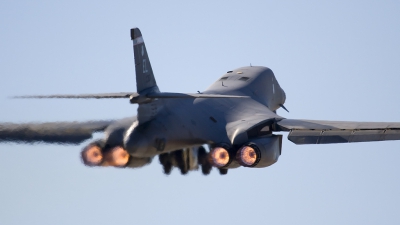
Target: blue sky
(335,60)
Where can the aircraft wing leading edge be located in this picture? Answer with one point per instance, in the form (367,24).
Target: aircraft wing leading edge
(328,132)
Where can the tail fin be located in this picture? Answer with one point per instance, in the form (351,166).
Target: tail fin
(145,81)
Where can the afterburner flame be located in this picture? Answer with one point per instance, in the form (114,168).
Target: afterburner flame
(117,156)
(246,156)
(219,157)
(92,155)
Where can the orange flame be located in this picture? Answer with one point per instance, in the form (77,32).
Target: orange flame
(219,157)
(92,155)
(117,156)
(246,156)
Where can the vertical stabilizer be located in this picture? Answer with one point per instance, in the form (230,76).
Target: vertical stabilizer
(145,81)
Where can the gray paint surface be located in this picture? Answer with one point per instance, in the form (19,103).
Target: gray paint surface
(314,48)
(238,107)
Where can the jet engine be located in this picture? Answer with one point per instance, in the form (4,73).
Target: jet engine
(135,162)
(98,153)
(92,154)
(261,152)
(221,156)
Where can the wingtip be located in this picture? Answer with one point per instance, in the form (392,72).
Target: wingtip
(17,97)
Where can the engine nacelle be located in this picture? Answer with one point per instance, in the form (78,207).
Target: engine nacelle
(100,153)
(135,162)
(259,153)
(222,156)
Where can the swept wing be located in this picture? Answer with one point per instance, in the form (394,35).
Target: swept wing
(72,133)
(327,132)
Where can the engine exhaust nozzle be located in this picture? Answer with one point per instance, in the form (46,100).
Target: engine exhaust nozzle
(92,155)
(117,157)
(219,157)
(247,156)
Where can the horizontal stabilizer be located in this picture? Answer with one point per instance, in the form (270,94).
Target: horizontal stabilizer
(84,96)
(190,95)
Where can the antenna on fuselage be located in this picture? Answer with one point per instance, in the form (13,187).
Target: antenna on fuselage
(283,107)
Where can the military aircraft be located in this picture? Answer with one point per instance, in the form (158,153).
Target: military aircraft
(236,117)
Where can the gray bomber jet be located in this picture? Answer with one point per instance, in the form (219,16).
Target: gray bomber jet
(236,117)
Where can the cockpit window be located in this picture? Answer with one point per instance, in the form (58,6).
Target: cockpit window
(224,78)
(244,78)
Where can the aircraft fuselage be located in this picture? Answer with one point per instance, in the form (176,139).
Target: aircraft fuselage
(181,123)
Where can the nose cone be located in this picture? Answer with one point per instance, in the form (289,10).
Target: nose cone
(137,144)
